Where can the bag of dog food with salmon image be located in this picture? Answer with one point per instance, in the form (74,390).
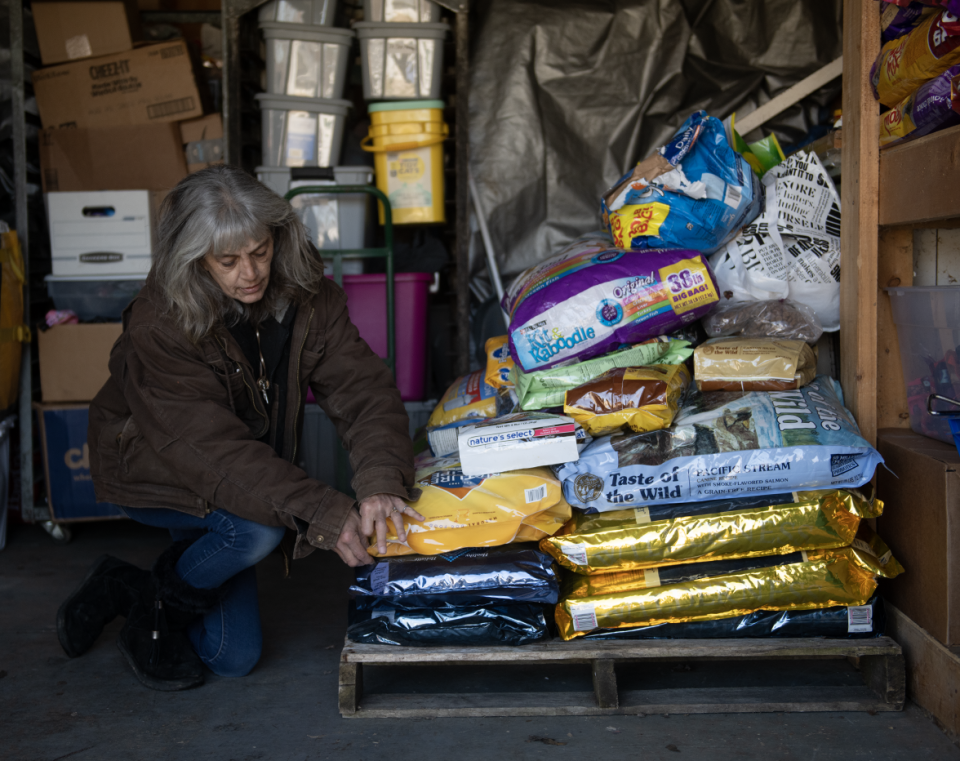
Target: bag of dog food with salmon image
(724,444)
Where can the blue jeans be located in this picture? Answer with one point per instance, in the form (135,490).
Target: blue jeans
(228,639)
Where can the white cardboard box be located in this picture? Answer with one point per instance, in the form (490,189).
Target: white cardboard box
(514,442)
(102,233)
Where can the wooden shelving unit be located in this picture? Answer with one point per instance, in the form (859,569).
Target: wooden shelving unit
(887,195)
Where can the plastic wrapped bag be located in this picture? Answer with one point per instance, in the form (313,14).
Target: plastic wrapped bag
(735,363)
(547,388)
(927,51)
(727,444)
(499,362)
(693,193)
(481,511)
(495,576)
(745,527)
(801,581)
(639,398)
(928,109)
(777,318)
(899,19)
(386,624)
(792,250)
(469,398)
(584,303)
(839,622)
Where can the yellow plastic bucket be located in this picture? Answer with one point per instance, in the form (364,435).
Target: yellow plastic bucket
(406,139)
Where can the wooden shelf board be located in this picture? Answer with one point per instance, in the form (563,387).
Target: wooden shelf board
(918,180)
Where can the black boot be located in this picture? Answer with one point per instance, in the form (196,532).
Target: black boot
(154,639)
(109,590)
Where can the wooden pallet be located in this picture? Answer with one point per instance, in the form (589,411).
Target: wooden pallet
(879,660)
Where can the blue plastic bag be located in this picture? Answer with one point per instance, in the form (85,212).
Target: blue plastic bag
(695,192)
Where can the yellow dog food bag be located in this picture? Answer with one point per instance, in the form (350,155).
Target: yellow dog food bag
(499,362)
(479,511)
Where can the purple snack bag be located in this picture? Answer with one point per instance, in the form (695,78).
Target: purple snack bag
(896,21)
(926,110)
(591,298)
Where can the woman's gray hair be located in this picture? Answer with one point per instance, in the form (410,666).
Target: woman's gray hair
(220,210)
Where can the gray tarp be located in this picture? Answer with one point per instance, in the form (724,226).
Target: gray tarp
(566,95)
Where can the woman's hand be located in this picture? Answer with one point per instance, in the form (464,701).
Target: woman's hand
(374,512)
(351,546)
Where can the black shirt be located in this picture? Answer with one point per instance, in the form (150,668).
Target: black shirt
(274,344)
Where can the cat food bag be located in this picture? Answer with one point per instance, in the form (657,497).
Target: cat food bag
(589,301)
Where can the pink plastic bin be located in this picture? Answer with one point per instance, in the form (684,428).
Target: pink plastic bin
(367,302)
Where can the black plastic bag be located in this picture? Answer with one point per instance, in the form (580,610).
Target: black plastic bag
(490,625)
(499,575)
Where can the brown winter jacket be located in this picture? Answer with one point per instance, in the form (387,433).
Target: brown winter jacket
(177,424)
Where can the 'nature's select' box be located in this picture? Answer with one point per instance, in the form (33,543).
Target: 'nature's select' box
(140,157)
(66,463)
(67,31)
(148,85)
(74,359)
(921,524)
(513,442)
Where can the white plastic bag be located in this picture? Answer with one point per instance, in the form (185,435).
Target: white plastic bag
(792,250)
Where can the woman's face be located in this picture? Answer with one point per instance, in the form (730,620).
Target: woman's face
(243,275)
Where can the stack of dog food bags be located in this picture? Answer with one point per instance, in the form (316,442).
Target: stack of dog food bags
(471,571)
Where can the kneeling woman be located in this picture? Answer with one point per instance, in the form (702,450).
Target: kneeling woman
(196,431)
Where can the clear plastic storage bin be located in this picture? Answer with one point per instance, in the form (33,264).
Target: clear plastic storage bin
(401,11)
(341,221)
(305,61)
(94,297)
(314,12)
(301,131)
(401,61)
(928,331)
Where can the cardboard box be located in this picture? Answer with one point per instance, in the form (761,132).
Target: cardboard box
(148,85)
(67,31)
(921,524)
(102,233)
(514,442)
(73,360)
(203,142)
(66,464)
(144,156)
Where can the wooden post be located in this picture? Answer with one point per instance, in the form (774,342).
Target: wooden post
(859,207)
(886,675)
(605,683)
(894,267)
(351,687)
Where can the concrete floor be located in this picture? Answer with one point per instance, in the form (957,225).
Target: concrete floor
(54,708)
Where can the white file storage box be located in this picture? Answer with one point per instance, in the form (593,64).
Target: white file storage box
(102,233)
(301,131)
(306,61)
